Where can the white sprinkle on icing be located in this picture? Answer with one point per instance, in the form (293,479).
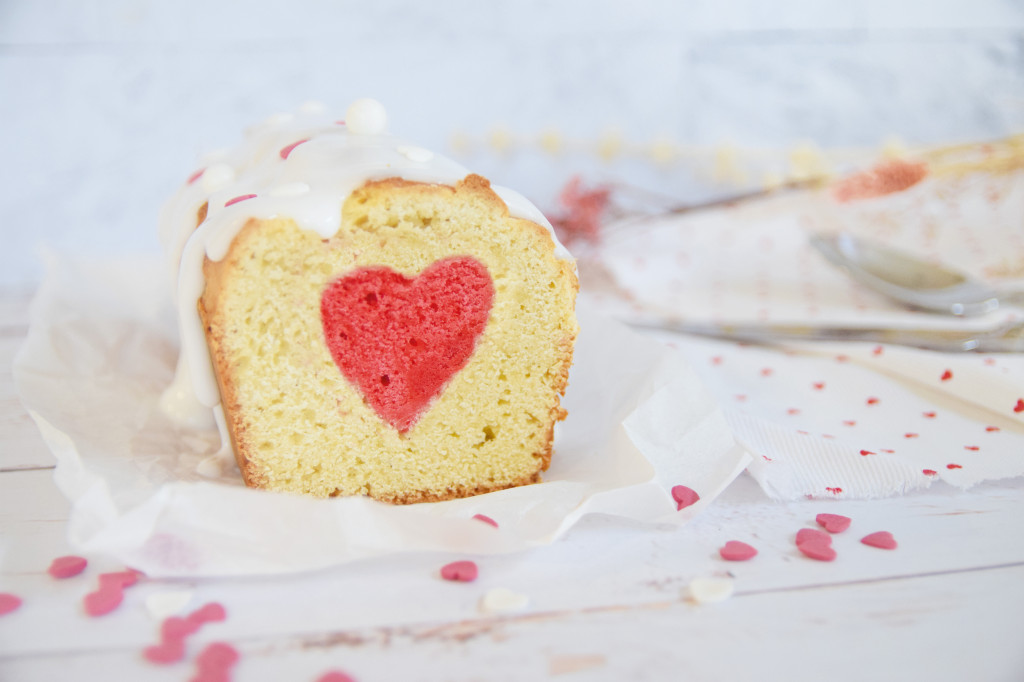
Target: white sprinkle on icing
(290,189)
(416,154)
(217,176)
(366,117)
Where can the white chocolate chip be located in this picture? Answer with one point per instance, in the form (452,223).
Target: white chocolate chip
(217,176)
(501,600)
(366,117)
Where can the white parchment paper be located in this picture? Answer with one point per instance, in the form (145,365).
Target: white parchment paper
(102,346)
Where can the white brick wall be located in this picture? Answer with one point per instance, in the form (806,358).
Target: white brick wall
(105,105)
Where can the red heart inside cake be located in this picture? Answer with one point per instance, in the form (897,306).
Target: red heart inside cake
(400,339)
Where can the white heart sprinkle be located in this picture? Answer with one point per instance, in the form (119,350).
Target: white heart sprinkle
(710,590)
(501,600)
(161,605)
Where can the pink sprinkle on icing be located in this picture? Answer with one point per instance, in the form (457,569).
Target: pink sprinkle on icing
(237,199)
(833,523)
(684,496)
(883,539)
(67,567)
(195,176)
(486,519)
(734,550)
(8,603)
(286,151)
(459,571)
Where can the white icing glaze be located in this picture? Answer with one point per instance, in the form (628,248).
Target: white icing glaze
(302,166)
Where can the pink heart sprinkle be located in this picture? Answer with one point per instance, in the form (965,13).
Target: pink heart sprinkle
(169,651)
(335,676)
(486,519)
(883,539)
(125,578)
(208,613)
(177,628)
(8,603)
(67,566)
(459,571)
(833,523)
(215,661)
(734,550)
(195,176)
(812,536)
(814,550)
(684,496)
(103,600)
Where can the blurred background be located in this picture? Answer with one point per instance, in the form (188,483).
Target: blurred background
(106,105)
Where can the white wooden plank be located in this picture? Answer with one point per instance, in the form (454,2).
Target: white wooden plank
(21,446)
(944,627)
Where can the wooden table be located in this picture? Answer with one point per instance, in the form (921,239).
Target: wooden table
(608,602)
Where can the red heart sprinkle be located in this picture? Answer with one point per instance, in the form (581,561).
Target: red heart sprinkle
(946,376)
(818,385)
(929,472)
(9,602)
(286,151)
(990,429)
(886,451)
(684,496)
(928,415)
(486,519)
(812,536)
(866,452)
(766,372)
(849,422)
(1019,407)
(335,676)
(833,523)
(834,491)
(401,339)
(883,539)
(816,551)
(459,571)
(953,466)
(734,550)
(910,435)
(103,600)
(67,566)
(793,410)
(208,613)
(872,401)
(877,350)
(972,448)
(168,651)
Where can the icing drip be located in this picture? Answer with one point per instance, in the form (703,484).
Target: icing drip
(300,165)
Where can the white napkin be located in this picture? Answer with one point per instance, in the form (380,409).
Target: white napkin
(840,420)
(102,346)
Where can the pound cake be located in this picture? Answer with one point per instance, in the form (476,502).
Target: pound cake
(364,317)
